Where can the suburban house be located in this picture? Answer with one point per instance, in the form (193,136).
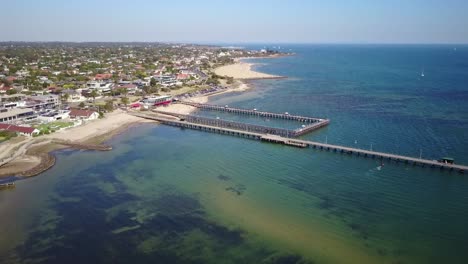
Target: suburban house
(54,116)
(74,95)
(103,77)
(21,130)
(81,114)
(103,87)
(182,76)
(131,88)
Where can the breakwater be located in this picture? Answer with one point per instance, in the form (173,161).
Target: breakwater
(75,145)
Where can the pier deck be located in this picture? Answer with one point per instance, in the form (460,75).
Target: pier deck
(305,143)
(311,126)
(253,112)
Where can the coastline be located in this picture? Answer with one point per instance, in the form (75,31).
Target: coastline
(241,70)
(36,154)
(33,156)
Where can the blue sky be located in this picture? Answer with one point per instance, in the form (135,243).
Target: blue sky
(237,21)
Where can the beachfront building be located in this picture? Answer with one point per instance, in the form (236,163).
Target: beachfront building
(85,115)
(16,115)
(130,88)
(166,80)
(39,102)
(20,130)
(54,116)
(11,101)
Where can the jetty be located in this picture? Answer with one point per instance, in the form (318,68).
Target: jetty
(261,133)
(253,112)
(308,124)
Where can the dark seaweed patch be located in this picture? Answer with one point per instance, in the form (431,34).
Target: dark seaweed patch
(224,177)
(288,259)
(355,226)
(171,204)
(84,233)
(326,203)
(382,252)
(238,189)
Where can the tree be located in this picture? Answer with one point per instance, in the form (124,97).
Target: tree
(153,82)
(11,91)
(6,82)
(81,105)
(93,94)
(123,91)
(146,89)
(109,106)
(140,74)
(64,97)
(124,100)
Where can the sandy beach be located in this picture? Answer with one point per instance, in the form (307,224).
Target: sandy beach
(238,86)
(110,123)
(243,71)
(23,153)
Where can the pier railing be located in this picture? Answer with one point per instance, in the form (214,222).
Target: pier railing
(253,112)
(248,127)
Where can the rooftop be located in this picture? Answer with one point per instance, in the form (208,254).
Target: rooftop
(15,111)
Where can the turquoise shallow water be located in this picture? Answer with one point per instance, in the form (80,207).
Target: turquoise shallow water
(166,195)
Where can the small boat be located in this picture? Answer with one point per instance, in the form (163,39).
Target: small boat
(7,185)
(422,73)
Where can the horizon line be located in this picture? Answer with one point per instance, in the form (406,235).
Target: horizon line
(237,42)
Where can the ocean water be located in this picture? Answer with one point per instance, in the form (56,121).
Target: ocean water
(169,195)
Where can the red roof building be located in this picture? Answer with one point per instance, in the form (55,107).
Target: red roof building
(4,89)
(104,76)
(83,114)
(28,131)
(182,76)
(127,86)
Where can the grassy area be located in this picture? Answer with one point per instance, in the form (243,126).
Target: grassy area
(53,126)
(6,135)
(185,89)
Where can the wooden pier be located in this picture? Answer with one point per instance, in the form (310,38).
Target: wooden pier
(249,127)
(305,143)
(254,112)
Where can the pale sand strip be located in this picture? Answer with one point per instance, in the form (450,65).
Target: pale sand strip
(186,109)
(109,123)
(243,71)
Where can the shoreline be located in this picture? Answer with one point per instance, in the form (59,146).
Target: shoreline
(37,156)
(240,70)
